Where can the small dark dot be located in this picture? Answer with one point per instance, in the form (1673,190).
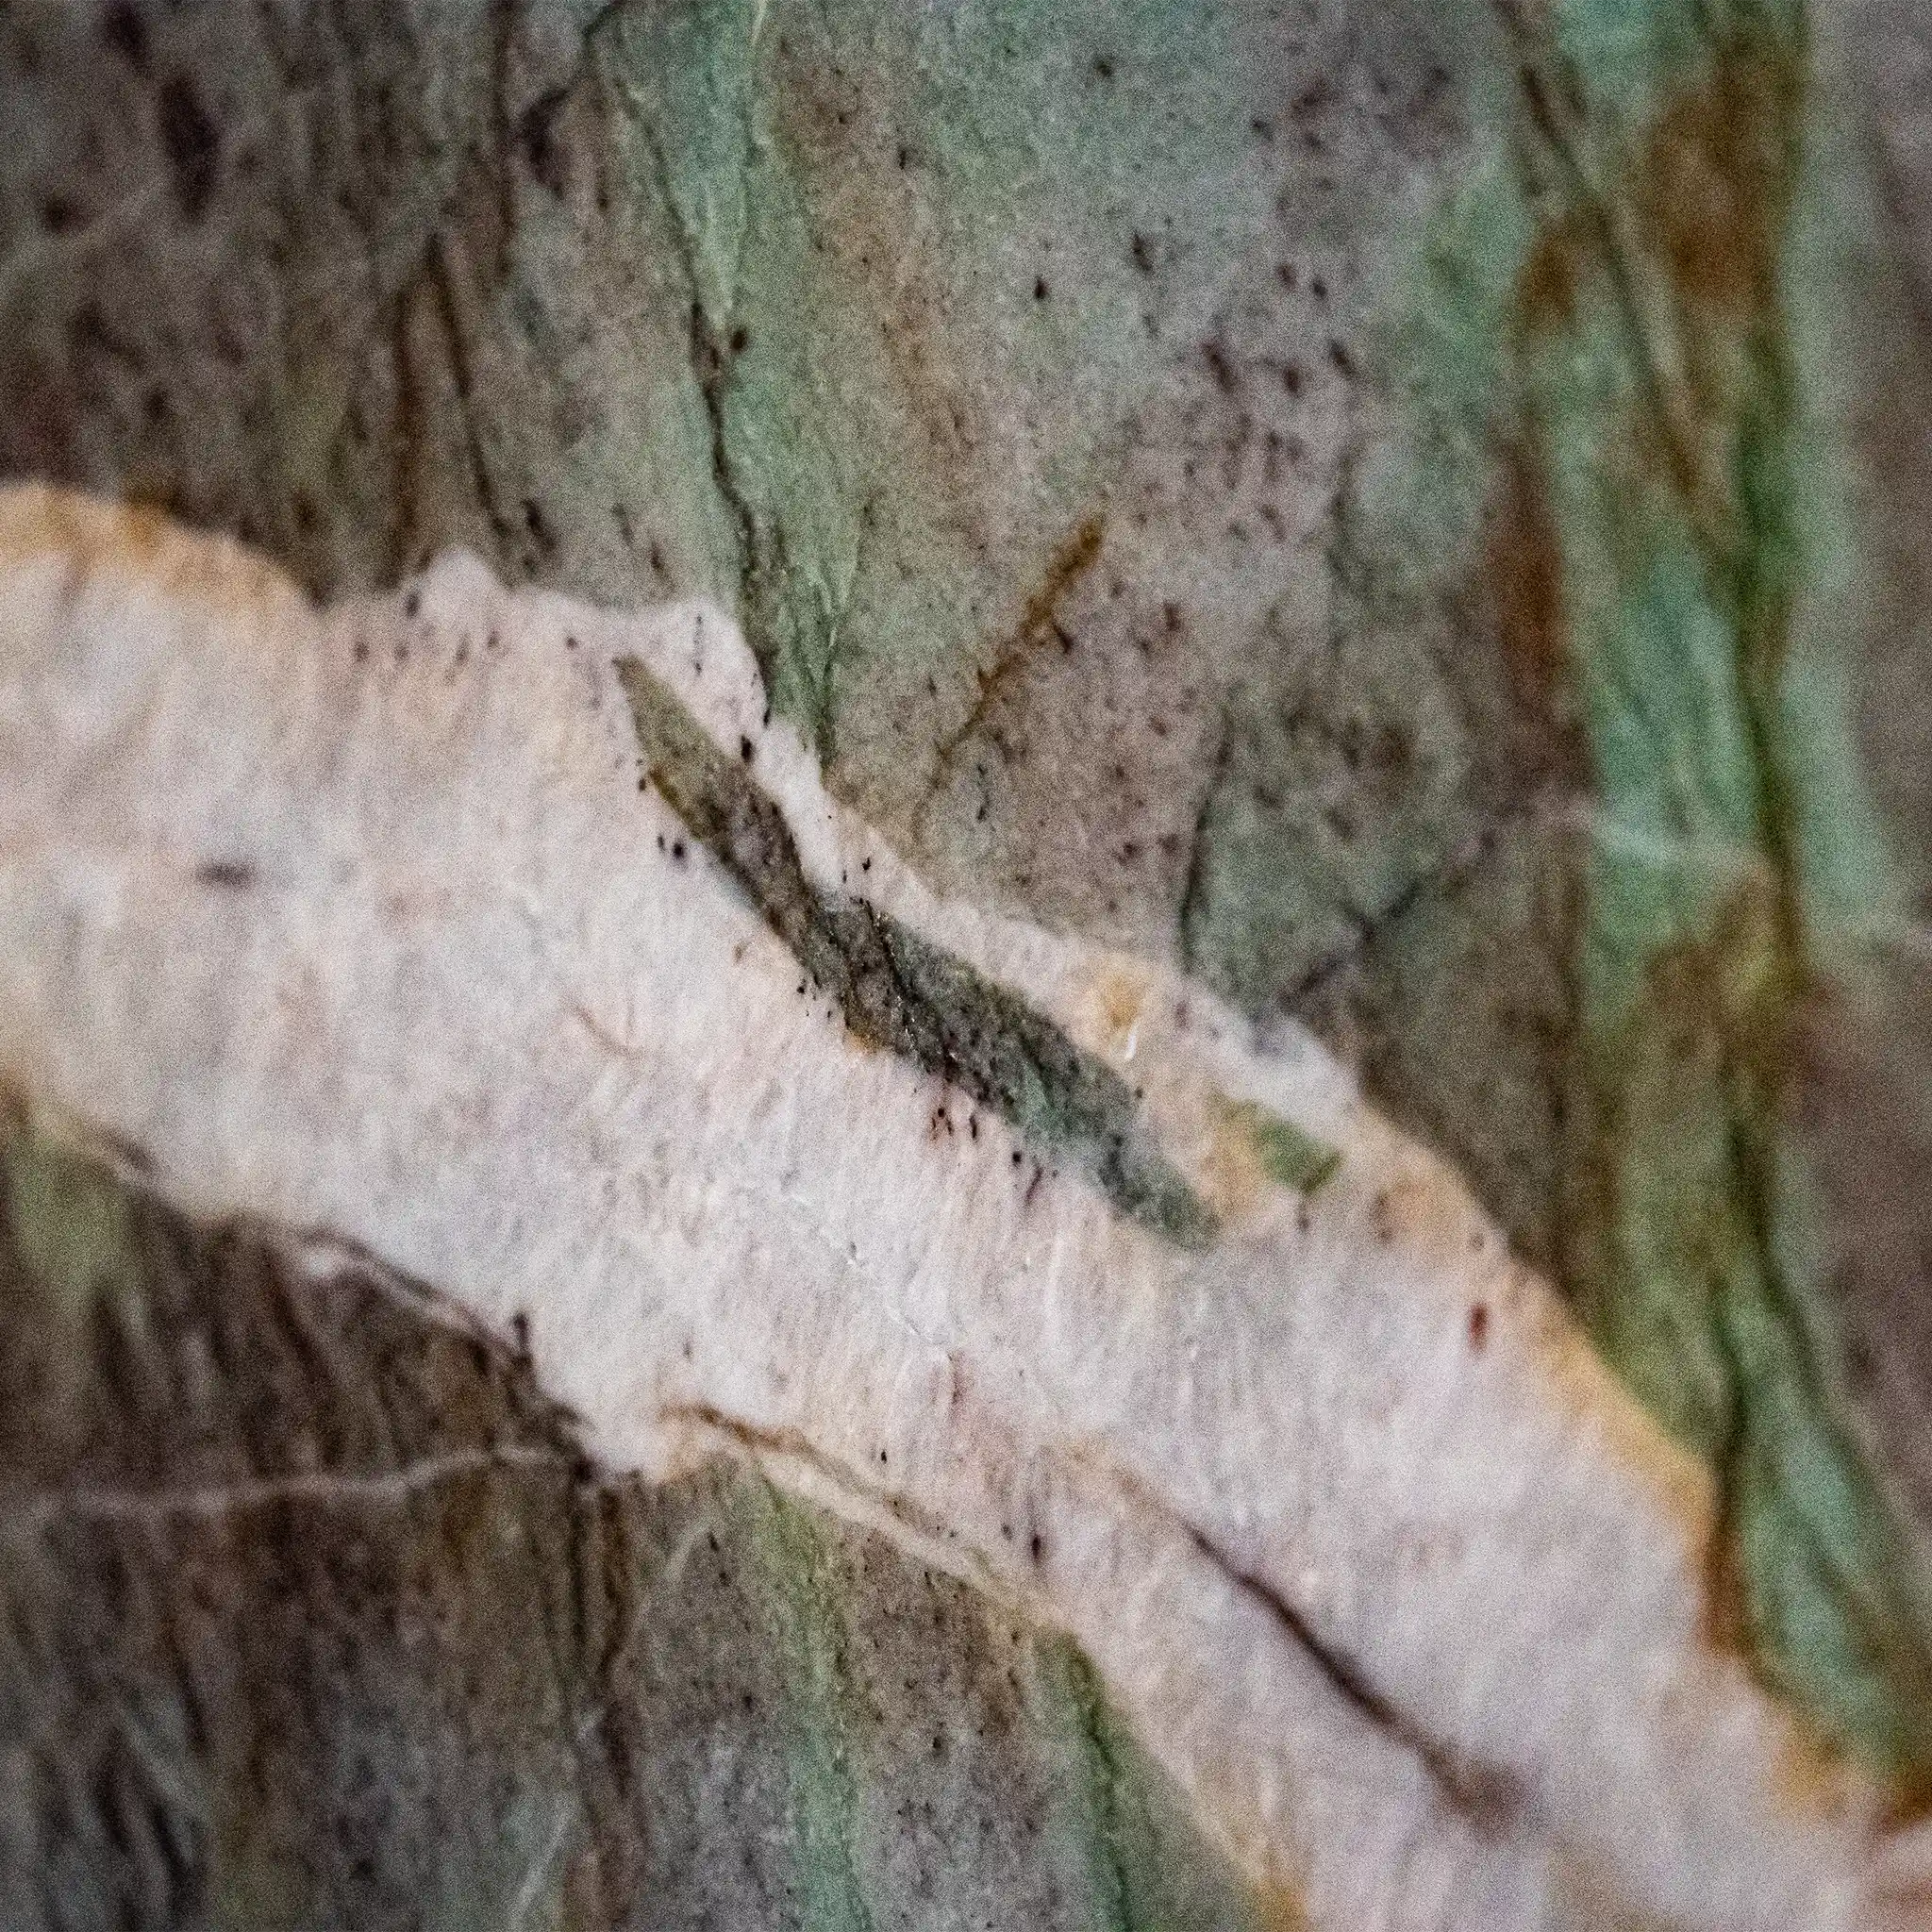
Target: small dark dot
(1016,1156)
(678,850)
(413,603)
(744,749)
(1036,1545)
(740,339)
(1040,289)
(1478,1327)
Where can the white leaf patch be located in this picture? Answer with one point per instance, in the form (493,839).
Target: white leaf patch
(360,920)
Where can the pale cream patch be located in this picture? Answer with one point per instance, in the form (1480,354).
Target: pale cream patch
(360,921)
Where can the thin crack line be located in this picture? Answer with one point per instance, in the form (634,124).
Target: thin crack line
(316,1485)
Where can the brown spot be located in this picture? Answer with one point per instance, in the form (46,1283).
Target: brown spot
(1525,572)
(1713,186)
(1479,1328)
(1548,282)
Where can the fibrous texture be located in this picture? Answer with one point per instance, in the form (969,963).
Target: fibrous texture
(1274,975)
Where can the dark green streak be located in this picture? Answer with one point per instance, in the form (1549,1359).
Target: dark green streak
(897,990)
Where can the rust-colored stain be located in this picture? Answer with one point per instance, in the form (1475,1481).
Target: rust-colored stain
(1280,1907)
(1548,284)
(1524,569)
(1074,557)
(94,536)
(1711,187)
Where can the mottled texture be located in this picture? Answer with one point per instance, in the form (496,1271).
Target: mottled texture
(1416,513)
(315,1614)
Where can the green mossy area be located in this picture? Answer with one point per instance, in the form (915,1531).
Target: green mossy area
(313,1613)
(1626,293)
(1380,504)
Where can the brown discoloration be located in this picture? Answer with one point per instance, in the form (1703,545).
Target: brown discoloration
(1710,1030)
(1523,572)
(1071,560)
(1548,284)
(86,535)
(1117,999)
(1867,1130)
(1229,1172)
(1713,185)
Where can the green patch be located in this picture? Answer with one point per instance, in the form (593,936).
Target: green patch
(1143,1873)
(70,1225)
(1656,379)
(897,990)
(1296,1159)
(803,1590)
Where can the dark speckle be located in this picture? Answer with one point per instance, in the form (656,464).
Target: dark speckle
(539,526)
(227,874)
(1478,1327)
(192,144)
(1040,290)
(537,134)
(123,30)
